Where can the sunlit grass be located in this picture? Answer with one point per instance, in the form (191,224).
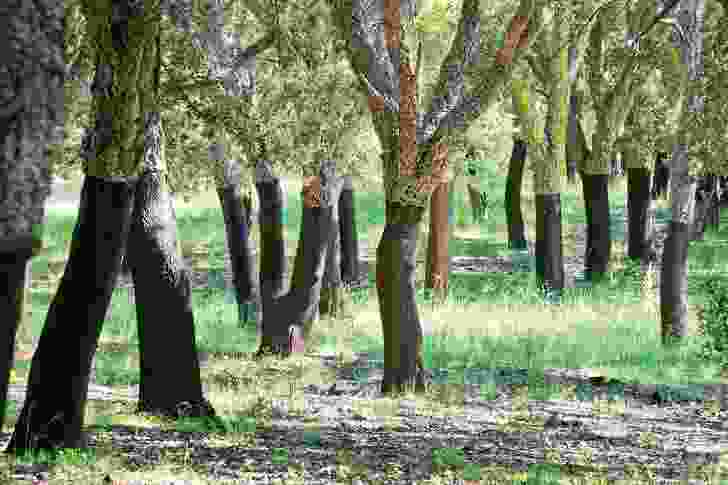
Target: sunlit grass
(487,320)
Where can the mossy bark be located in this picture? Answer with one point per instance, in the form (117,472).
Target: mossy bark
(125,98)
(32,111)
(55,403)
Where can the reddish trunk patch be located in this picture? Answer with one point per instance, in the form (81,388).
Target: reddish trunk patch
(295,340)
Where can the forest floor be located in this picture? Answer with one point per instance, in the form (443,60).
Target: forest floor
(320,419)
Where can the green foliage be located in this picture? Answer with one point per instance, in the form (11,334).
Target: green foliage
(714,320)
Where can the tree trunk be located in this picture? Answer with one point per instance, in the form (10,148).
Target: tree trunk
(549,255)
(706,206)
(674,280)
(475,203)
(330,300)
(598,248)
(286,316)
(32,39)
(272,245)
(349,238)
(514,217)
(437,267)
(661,177)
(638,206)
(572,152)
(401,326)
(54,408)
(237,212)
(12,287)
(162,293)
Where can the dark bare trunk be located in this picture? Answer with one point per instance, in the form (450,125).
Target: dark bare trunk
(475,203)
(549,256)
(638,206)
(272,245)
(169,365)
(349,238)
(673,283)
(598,248)
(707,212)
(285,317)
(330,300)
(438,256)
(661,176)
(54,408)
(403,365)
(237,212)
(32,52)
(514,216)
(12,287)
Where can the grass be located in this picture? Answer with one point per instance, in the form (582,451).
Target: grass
(487,321)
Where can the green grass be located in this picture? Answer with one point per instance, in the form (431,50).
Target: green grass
(487,321)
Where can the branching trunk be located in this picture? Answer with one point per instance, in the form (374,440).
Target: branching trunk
(55,404)
(514,216)
(285,316)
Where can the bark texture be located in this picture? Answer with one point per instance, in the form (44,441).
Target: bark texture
(549,254)
(12,287)
(349,237)
(164,313)
(330,301)
(31,113)
(401,326)
(514,216)
(272,245)
(285,316)
(54,408)
(674,281)
(598,248)
(638,206)
(661,177)
(237,212)
(438,256)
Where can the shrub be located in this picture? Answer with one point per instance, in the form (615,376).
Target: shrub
(713,325)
